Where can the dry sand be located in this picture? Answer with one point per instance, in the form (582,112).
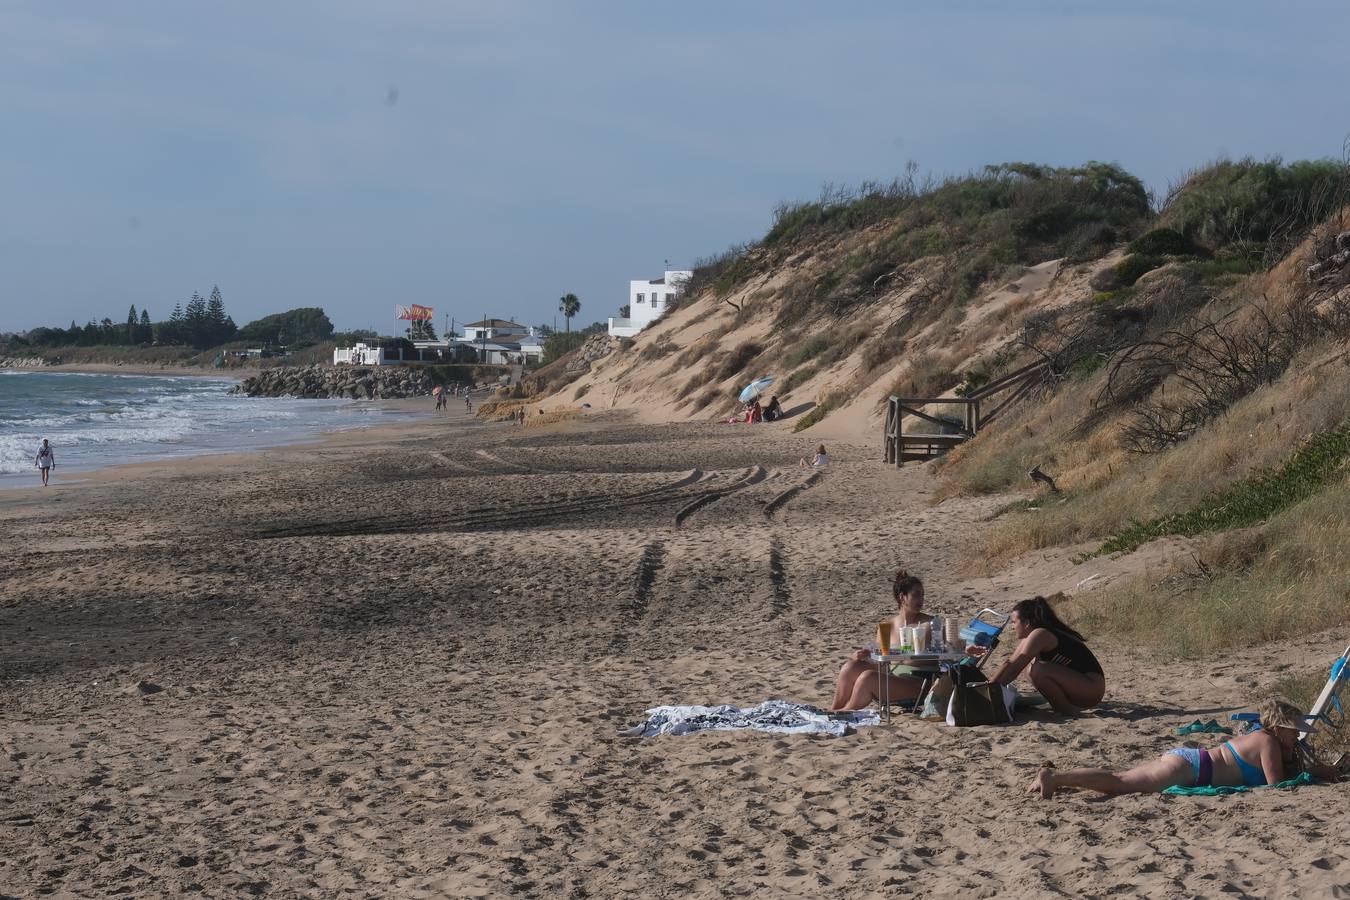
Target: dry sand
(393,665)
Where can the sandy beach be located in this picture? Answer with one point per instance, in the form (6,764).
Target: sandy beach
(394,664)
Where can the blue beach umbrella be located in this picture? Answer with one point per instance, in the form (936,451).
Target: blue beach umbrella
(755,388)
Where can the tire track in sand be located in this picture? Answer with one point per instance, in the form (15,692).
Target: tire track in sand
(754,476)
(779,501)
(635,610)
(782,595)
(489,518)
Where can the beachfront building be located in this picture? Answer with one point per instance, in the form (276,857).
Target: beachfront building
(494,342)
(359,355)
(648,299)
(503,342)
(496,330)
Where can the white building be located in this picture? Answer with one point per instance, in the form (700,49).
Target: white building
(495,329)
(360,355)
(647,301)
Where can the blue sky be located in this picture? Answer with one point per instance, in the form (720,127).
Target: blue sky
(491,156)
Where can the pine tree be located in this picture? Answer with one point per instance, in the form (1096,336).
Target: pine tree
(131,325)
(145,332)
(195,324)
(221,327)
(171,332)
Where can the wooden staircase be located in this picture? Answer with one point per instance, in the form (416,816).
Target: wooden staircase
(926,444)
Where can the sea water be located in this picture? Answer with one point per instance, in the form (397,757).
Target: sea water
(95,420)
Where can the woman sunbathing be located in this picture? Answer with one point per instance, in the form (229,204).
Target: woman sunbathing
(1262,757)
(1056,658)
(858,686)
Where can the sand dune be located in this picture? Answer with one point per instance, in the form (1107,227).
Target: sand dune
(395,664)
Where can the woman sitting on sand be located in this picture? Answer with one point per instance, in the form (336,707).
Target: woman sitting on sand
(1056,657)
(819,461)
(858,686)
(1261,757)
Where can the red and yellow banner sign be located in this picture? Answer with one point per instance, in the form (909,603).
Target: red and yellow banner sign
(414,313)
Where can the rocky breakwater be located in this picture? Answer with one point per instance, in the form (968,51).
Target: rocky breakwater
(597,346)
(351,382)
(22,362)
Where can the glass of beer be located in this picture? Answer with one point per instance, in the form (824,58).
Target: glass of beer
(884,637)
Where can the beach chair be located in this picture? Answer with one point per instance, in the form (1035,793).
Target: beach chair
(985,634)
(1327,711)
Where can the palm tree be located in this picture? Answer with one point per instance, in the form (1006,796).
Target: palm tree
(569,305)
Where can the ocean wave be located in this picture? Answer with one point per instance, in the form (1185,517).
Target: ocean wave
(104,422)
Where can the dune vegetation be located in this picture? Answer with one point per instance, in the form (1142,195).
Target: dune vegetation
(1197,378)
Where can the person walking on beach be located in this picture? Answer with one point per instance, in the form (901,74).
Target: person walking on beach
(46,460)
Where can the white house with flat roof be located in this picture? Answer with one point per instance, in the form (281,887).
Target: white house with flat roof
(648,299)
(496,329)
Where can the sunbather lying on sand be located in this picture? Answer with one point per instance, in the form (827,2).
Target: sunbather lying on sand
(1056,658)
(1262,757)
(857,686)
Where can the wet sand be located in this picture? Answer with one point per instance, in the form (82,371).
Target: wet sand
(394,664)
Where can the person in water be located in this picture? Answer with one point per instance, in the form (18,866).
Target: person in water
(1267,756)
(858,684)
(1056,658)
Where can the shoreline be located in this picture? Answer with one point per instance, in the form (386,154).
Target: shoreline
(134,369)
(207,461)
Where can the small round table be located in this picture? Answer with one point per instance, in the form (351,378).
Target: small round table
(926,665)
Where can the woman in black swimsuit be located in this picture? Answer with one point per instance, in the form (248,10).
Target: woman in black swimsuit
(1056,657)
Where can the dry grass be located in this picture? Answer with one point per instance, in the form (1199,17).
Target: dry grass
(499,410)
(1302,690)
(551,416)
(1108,489)
(1290,576)
(928,374)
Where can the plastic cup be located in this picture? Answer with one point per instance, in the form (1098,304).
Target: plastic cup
(884,636)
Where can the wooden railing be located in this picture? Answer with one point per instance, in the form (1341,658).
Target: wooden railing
(924,445)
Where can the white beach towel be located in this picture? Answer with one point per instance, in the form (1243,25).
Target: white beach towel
(778,716)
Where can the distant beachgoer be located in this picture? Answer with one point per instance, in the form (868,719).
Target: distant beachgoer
(46,460)
(1263,757)
(1060,664)
(774,411)
(858,684)
(819,461)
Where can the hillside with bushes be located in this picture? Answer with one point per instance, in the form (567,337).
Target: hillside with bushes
(1197,378)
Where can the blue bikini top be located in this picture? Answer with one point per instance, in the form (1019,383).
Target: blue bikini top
(1252,776)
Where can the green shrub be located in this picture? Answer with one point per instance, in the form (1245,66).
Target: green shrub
(1249,200)
(971,383)
(1163,242)
(818,412)
(1133,267)
(559,344)
(1085,367)
(736,361)
(799,377)
(1254,499)
(808,349)
(1217,269)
